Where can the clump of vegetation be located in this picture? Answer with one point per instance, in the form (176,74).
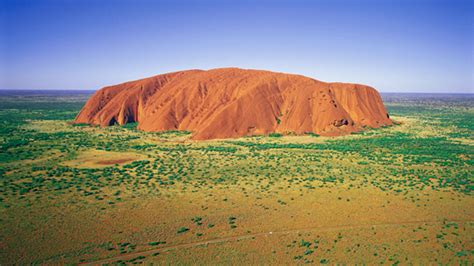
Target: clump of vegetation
(275,135)
(231,221)
(156,243)
(197,220)
(130,125)
(312,134)
(182,230)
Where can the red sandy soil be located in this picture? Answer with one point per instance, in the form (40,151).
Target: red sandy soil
(233,102)
(118,161)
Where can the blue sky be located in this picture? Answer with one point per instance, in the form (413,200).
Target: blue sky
(395,46)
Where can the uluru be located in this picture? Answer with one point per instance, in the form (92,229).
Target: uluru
(232,102)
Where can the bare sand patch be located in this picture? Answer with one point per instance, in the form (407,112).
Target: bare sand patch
(99,158)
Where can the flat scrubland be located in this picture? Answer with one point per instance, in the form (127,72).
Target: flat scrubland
(82,194)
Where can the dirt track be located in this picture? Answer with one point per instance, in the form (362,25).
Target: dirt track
(249,236)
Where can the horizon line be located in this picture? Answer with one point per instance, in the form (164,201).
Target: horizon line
(411,92)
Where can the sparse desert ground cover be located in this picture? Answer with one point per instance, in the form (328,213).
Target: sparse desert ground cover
(76,193)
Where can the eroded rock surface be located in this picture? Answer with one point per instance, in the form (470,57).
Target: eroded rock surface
(232,102)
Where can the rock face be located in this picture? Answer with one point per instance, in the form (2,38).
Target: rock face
(232,102)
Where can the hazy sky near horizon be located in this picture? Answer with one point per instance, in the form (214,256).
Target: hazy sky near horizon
(395,46)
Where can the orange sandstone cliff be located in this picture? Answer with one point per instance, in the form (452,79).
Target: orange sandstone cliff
(232,102)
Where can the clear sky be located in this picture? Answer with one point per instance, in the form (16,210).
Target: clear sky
(395,46)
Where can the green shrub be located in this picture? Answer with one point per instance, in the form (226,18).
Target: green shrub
(182,230)
(275,135)
(156,243)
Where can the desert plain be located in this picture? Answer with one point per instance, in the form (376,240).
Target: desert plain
(84,194)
